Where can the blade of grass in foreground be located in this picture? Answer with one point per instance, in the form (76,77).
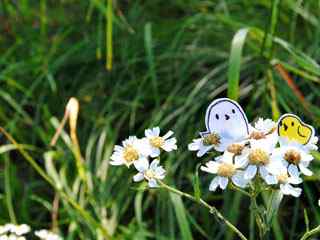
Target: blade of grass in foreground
(181,216)
(235,62)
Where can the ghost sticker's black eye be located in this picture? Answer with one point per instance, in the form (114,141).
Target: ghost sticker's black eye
(292,124)
(217,116)
(233,111)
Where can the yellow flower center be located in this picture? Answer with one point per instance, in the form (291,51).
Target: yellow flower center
(130,154)
(157,141)
(149,174)
(235,148)
(257,135)
(258,157)
(226,170)
(211,139)
(292,156)
(282,178)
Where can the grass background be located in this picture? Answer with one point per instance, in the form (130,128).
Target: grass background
(169,61)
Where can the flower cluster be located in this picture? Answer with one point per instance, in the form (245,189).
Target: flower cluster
(11,231)
(144,154)
(14,232)
(261,153)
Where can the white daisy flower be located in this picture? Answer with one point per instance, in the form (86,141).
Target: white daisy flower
(257,158)
(47,235)
(18,230)
(209,141)
(225,170)
(151,172)
(156,142)
(283,177)
(131,151)
(12,237)
(264,130)
(294,157)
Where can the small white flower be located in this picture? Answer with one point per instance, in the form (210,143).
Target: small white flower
(47,235)
(282,176)
(225,169)
(265,125)
(156,142)
(18,230)
(130,152)
(264,130)
(257,158)
(151,172)
(209,141)
(294,158)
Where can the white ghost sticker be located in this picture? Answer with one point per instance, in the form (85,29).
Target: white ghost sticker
(226,118)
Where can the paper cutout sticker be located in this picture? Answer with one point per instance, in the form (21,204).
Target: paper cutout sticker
(291,127)
(226,118)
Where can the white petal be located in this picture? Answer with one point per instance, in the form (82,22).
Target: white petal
(203,150)
(305,170)
(250,172)
(239,180)
(295,180)
(195,145)
(223,182)
(154,164)
(214,184)
(241,161)
(210,167)
(293,170)
(263,171)
(156,131)
(138,177)
(296,192)
(153,183)
(148,133)
(142,164)
(168,134)
(270,179)
(169,145)
(155,152)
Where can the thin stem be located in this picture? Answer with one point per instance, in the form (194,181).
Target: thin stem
(7,188)
(212,209)
(310,233)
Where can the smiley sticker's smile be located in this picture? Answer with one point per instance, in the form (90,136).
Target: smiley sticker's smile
(300,134)
(291,127)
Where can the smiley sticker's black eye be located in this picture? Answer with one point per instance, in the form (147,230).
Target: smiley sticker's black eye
(292,124)
(233,111)
(280,123)
(217,116)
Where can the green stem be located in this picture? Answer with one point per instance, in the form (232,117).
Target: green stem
(310,233)
(212,209)
(8,190)
(255,210)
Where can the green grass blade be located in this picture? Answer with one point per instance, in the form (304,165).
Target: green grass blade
(235,62)
(181,216)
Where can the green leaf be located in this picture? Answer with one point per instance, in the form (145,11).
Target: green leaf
(235,62)
(181,216)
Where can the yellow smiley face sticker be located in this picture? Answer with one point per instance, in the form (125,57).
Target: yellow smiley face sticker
(291,127)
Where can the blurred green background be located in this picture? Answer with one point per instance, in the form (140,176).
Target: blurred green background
(166,60)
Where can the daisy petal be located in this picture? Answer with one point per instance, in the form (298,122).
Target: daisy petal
(293,170)
(138,177)
(214,184)
(250,172)
(305,170)
(223,182)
